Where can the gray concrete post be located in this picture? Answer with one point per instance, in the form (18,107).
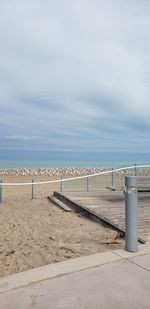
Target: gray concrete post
(87,183)
(131,214)
(32,189)
(1,191)
(113,178)
(61,184)
(135,170)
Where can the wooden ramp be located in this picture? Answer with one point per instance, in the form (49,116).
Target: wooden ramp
(109,208)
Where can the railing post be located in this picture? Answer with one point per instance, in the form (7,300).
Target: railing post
(87,183)
(32,189)
(131,214)
(135,170)
(113,178)
(61,184)
(1,191)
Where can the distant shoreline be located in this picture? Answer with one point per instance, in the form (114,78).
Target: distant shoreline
(66,171)
(54,164)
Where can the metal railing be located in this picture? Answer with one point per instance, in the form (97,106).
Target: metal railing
(91,182)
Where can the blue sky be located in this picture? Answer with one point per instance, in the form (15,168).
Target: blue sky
(75,76)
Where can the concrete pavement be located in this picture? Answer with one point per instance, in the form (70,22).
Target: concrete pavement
(116,279)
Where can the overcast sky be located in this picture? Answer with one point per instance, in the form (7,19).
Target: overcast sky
(75,75)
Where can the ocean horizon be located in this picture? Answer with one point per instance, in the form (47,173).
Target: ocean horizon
(6,164)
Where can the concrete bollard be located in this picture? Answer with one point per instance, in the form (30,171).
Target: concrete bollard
(113,178)
(33,189)
(1,191)
(131,214)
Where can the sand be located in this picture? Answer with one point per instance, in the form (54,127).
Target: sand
(35,232)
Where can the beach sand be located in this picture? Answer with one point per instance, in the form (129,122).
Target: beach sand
(34,232)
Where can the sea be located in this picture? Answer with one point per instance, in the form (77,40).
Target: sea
(6,164)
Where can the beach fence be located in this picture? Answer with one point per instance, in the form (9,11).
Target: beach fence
(113,179)
(29,189)
(98,181)
(2,185)
(86,182)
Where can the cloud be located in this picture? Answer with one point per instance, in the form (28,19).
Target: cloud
(22,137)
(75,74)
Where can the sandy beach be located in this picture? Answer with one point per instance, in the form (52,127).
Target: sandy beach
(34,232)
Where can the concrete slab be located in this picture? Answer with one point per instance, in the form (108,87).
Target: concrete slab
(57,269)
(142,261)
(119,284)
(142,249)
(117,279)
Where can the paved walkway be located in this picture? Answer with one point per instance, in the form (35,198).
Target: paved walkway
(116,279)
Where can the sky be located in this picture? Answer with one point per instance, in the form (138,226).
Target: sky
(74,76)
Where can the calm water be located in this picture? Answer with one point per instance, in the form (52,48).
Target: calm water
(53,164)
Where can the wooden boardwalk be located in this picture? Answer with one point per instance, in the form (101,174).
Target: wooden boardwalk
(110,206)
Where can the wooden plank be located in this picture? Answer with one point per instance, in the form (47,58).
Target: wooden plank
(114,210)
(56,201)
(107,208)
